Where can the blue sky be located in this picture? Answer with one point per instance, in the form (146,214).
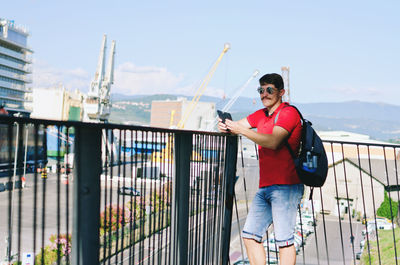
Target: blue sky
(337,50)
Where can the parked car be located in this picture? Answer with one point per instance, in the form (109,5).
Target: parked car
(370,229)
(358,255)
(362,243)
(382,223)
(128,191)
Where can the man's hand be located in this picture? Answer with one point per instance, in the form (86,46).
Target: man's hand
(235,127)
(222,126)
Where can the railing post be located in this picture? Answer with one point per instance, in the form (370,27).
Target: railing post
(180,199)
(230,175)
(86,189)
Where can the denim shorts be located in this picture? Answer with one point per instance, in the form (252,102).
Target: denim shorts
(274,204)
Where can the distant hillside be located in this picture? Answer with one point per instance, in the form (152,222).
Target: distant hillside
(378,120)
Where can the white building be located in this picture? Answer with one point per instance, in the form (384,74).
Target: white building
(57,104)
(15,68)
(360,170)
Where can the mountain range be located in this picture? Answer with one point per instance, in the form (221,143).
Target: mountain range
(378,120)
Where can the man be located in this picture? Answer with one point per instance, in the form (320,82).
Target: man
(280,189)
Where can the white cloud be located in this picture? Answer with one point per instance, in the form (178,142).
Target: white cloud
(129,79)
(47,76)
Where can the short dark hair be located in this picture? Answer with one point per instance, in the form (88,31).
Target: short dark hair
(275,79)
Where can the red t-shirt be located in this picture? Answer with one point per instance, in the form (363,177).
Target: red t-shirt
(277,166)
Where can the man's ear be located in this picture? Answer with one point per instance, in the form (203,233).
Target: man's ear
(281,92)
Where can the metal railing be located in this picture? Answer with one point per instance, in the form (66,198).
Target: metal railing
(352,219)
(85,193)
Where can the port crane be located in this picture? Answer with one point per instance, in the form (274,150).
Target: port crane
(233,99)
(97,105)
(201,89)
(165,155)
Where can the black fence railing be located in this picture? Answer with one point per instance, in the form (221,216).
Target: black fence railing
(353,219)
(82,193)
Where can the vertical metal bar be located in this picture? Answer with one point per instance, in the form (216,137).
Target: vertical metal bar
(163,227)
(110,142)
(373,203)
(171,154)
(363,197)
(135,214)
(348,205)
(123,145)
(315,229)
(302,239)
(11,187)
(35,182)
(67,195)
(145,173)
(390,205)
(132,209)
(337,200)
(103,221)
(180,205)
(118,206)
(20,164)
(58,190)
(86,215)
(44,188)
(323,222)
(197,217)
(230,174)
(151,201)
(107,206)
(244,178)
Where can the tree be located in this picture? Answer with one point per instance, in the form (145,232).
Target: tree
(384,209)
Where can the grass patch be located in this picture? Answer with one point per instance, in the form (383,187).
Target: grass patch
(386,248)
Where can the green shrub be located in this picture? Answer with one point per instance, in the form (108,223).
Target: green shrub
(49,256)
(384,209)
(114,217)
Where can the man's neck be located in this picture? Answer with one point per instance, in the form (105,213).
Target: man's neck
(274,107)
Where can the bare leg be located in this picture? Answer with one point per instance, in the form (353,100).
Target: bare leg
(255,251)
(287,255)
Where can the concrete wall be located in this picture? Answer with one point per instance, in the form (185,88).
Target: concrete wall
(161,113)
(47,103)
(200,117)
(54,103)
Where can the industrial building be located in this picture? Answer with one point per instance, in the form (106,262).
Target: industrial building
(15,68)
(57,104)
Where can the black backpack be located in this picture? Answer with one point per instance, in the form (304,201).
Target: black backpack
(311,163)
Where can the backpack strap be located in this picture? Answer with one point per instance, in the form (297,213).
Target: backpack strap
(286,140)
(287,143)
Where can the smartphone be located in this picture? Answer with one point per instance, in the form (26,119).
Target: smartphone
(224,115)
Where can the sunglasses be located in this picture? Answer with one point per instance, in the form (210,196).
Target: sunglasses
(270,90)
